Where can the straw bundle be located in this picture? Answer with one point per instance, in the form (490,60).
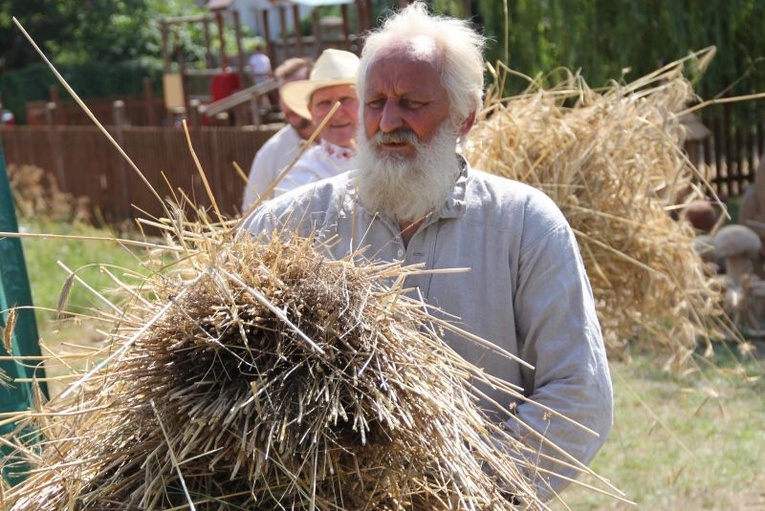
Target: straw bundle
(36,193)
(264,376)
(613,162)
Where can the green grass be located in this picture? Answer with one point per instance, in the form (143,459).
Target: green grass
(690,443)
(48,279)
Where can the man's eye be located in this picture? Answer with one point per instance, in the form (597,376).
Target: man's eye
(375,103)
(411,104)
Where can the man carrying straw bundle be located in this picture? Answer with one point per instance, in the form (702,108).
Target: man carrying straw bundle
(414,199)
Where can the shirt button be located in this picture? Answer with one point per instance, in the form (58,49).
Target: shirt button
(400,252)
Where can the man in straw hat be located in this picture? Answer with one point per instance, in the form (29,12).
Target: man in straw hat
(414,199)
(332,80)
(285,144)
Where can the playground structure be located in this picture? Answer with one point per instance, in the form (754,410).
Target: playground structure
(222,92)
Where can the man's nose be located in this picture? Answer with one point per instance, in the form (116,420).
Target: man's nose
(390,117)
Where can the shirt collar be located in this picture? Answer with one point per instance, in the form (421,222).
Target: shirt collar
(336,152)
(454,206)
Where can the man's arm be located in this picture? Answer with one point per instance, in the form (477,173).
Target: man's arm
(560,336)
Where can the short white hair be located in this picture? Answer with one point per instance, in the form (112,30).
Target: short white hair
(459,45)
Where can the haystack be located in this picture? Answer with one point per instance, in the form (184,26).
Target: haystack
(260,375)
(37,193)
(613,162)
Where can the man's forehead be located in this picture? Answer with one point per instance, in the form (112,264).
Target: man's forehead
(420,55)
(417,48)
(423,47)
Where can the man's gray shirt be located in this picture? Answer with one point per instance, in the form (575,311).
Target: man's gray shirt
(525,290)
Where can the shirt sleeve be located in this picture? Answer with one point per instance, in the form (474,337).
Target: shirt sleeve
(570,405)
(262,174)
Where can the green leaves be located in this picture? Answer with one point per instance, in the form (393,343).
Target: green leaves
(81,31)
(603,37)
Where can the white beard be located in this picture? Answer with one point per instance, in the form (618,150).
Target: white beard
(406,190)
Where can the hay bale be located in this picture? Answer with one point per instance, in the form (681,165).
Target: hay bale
(36,193)
(264,376)
(612,160)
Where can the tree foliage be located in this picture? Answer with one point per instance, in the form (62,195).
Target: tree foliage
(102,47)
(625,39)
(79,31)
(602,39)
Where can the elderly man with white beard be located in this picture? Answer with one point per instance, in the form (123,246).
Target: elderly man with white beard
(414,199)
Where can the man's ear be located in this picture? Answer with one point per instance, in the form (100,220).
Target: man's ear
(467,124)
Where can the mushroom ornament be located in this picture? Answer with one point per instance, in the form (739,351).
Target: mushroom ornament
(739,246)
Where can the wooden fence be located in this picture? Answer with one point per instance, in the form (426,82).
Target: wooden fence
(729,160)
(86,164)
(148,109)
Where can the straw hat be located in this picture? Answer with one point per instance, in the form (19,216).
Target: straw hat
(333,67)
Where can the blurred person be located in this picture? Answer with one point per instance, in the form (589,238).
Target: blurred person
(260,72)
(414,199)
(285,144)
(260,65)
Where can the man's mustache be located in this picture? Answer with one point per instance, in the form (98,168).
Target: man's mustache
(402,136)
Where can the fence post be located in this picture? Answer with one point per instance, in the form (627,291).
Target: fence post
(241,59)
(284,30)
(15,292)
(193,117)
(148,92)
(51,116)
(55,99)
(208,42)
(346,28)
(269,43)
(360,16)
(316,29)
(729,148)
(119,126)
(298,35)
(706,145)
